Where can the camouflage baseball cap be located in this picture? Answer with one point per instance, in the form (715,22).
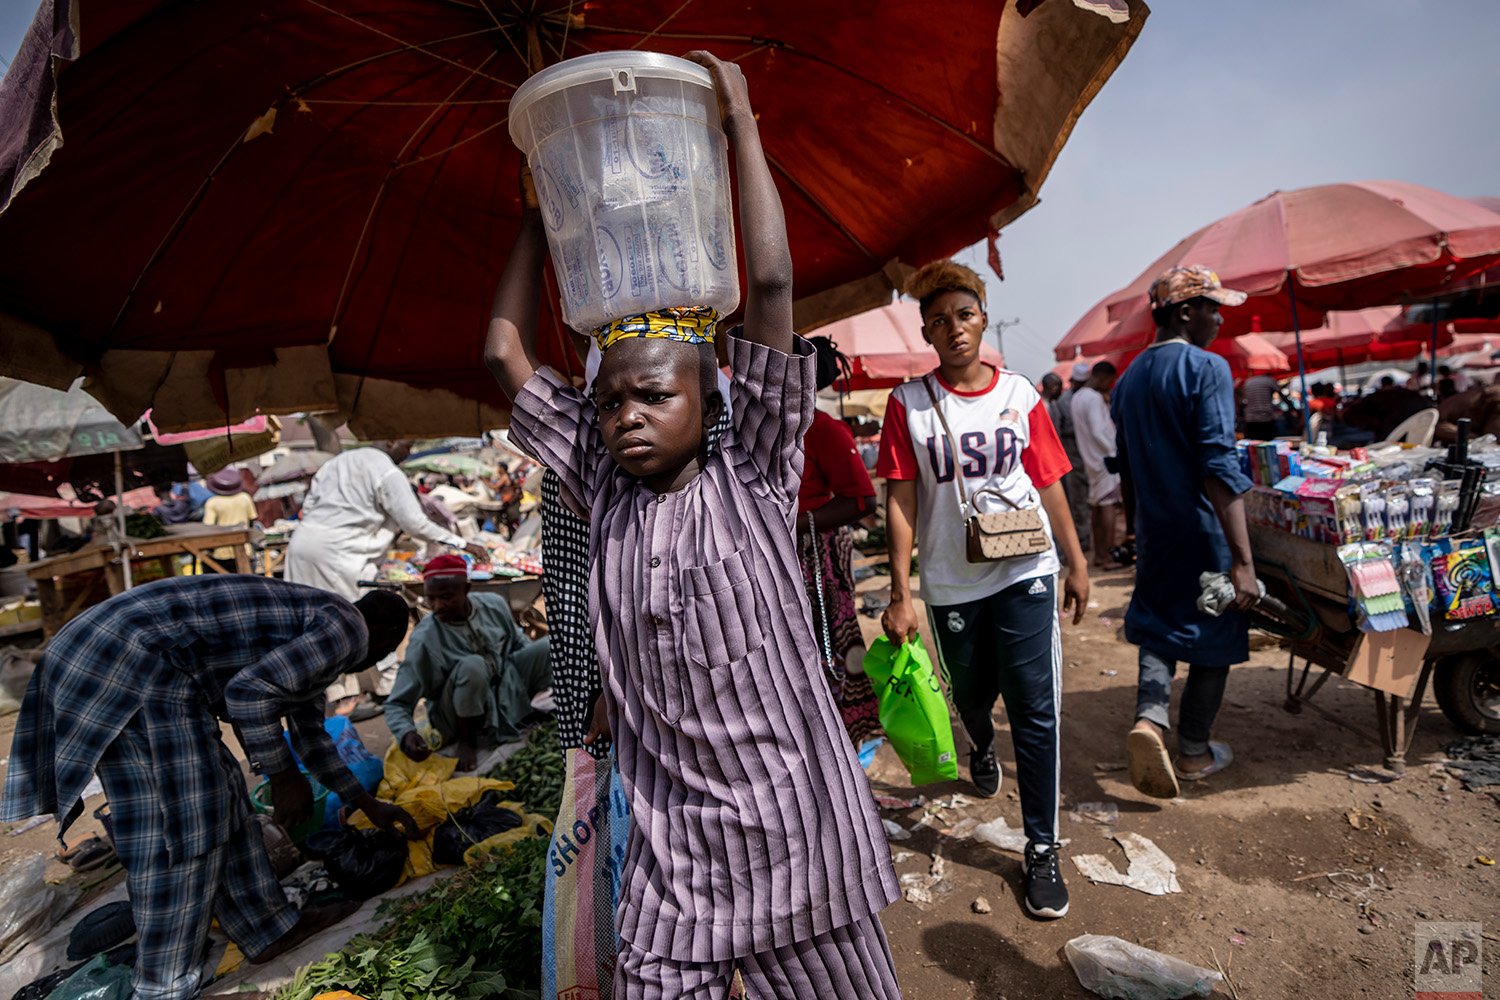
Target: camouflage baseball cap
(1178,284)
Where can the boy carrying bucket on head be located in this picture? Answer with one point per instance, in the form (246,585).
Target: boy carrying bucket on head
(754,842)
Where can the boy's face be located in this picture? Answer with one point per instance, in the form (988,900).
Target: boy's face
(954,325)
(651,410)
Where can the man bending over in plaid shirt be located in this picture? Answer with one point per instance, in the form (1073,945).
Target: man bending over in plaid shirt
(135,689)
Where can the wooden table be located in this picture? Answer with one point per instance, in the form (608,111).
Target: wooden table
(62,602)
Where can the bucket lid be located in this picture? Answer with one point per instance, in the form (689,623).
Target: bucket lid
(621,67)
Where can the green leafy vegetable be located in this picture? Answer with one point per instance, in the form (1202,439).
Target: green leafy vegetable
(475,934)
(537,770)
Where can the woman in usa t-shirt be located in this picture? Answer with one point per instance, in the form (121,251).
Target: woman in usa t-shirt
(995,623)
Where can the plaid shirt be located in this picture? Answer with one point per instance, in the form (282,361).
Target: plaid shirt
(176,657)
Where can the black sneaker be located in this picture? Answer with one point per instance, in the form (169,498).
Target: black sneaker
(984,772)
(1046,896)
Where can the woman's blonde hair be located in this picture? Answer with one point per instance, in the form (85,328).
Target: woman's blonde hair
(941,276)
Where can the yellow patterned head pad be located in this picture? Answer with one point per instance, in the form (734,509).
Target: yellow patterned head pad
(688,324)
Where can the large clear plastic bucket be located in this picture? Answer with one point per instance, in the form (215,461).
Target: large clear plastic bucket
(632,172)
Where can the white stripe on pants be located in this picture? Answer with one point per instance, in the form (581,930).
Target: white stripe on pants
(849,961)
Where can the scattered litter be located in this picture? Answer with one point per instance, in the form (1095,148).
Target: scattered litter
(1093,605)
(1485,859)
(1475,761)
(964,828)
(1109,673)
(1115,968)
(1363,820)
(1110,765)
(1236,939)
(919,888)
(894,831)
(980,905)
(1373,776)
(1150,870)
(1107,813)
(997,834)
(31,824)
(892,802)
(951,802)
(901,856)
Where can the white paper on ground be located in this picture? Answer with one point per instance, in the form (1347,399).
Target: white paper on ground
(1150,870)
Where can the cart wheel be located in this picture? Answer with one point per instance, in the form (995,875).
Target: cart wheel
(1468,692)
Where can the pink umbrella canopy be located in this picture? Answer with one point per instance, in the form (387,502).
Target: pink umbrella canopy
(886,346)
(1334,246)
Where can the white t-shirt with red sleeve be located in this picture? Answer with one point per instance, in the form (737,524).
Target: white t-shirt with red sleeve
(1006,443)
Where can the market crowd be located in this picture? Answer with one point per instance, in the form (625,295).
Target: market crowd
(698,536)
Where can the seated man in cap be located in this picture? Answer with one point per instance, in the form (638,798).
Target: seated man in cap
(471,662)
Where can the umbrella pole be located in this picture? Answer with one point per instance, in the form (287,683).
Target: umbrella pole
(1343,375)
(120,519)
(1291,295)
(1432,373)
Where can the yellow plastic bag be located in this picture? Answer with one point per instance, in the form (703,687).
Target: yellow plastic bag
(532,825)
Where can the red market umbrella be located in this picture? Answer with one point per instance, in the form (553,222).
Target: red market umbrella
(886,347)
(217,209)
(1249,355)
(1356,336)
(1301,253)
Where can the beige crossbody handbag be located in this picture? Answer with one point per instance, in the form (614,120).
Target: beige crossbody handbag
(1006,534)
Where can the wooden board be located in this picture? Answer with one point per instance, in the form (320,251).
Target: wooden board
(1313,566)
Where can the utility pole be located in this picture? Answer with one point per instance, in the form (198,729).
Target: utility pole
(1001,325)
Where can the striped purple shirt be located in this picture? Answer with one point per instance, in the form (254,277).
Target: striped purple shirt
(752,825)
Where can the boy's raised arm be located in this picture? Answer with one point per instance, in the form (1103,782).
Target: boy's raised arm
(510,346)
(768,259)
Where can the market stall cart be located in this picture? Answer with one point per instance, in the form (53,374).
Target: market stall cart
(1459,659)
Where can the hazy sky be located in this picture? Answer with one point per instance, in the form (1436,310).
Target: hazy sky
(1220,103)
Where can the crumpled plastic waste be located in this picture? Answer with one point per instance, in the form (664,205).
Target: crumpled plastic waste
(1150,870)
(1115,968)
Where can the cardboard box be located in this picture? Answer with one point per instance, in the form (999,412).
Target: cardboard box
(1389,661)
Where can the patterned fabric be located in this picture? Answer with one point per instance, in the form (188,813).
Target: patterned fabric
(849,961)
(565,590)
(689,324)
(195,650)
(1178,284)
(752,824)
(172,900)
(832,554)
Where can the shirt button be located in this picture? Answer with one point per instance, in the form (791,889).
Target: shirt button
(655,561)
(662,498)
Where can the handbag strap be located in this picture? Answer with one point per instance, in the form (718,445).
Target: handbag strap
(958,478)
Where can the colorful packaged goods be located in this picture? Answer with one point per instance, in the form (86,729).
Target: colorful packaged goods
(1463,583)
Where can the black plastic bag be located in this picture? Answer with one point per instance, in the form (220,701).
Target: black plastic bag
(470,826)
(366,863)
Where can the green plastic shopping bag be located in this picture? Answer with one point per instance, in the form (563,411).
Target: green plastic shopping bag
(913,711)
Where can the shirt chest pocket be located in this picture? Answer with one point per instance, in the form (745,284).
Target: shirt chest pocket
(722,618)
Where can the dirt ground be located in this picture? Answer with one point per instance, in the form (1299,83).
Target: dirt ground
(1254,846)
